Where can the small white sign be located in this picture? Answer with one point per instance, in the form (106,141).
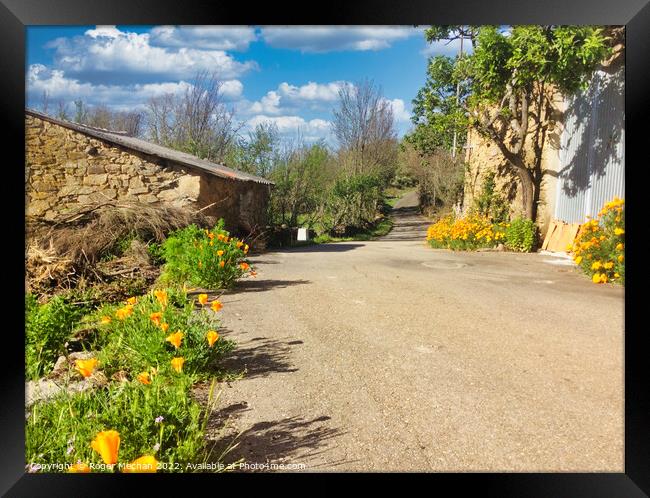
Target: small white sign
(302,234)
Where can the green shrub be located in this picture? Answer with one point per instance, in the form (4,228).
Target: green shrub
(205,258)
(490,203)
(520,235)
(134,336)
(354,201)
(159,419)
(47,326)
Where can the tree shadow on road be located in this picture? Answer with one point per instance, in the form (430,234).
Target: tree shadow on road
(331,247)
(258,285)
(260,357)
(287,440)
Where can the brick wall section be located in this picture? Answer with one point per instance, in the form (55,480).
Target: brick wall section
(66,170)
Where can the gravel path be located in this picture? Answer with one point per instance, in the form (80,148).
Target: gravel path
(389,355)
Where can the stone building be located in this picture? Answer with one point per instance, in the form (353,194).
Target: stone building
(69,165)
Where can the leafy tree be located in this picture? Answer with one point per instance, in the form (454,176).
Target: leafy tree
(439,108)
(301,184)
(505,90)
(259,153)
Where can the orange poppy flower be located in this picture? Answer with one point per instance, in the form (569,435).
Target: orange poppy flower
(222,263)
(124,312)
(203,299)
(177,364)
(175,339)
(239,244)
(210,235)
(212,337)
(156,317)
(216,305)
(107,444)
(144,378)
(219,252)
(132,300)
(244,266)
(146,463)
(86,367)
(79,468)
(164,326)
(105,320)
(161,295)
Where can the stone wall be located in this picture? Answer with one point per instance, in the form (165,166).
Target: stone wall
(66,170)
(483,156)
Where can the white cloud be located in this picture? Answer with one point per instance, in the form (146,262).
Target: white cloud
(400,113)
(58,87)
(204,37)
(447,48)
(290,126)
(290,98)
(105,31)
(324,92)
(232,89)
(269,104)
(107,54)
(337,38)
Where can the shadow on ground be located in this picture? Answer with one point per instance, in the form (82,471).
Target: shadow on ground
(260,357)
(330,247)
(258,285)
(287,440)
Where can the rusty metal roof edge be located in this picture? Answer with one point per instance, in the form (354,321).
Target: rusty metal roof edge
(143,146)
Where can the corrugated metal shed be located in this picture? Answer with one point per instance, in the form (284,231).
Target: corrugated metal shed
(592,148)
(123,140)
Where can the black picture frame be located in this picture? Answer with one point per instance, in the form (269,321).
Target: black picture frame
(15,15)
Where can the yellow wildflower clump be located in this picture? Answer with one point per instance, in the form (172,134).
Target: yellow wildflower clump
(598,249)
(471,232)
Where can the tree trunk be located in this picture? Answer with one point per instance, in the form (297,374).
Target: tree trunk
(527,193)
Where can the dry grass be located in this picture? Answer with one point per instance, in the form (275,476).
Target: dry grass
(67,252)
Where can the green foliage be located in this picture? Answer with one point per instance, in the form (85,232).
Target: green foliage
(437,112)
(156,253)
(490,203)
(521,235)
(302,180)
(47,327)
(60,431)
(354,201)
(259,154)
(202,257)
(379,229)
(561,55)
(136,342)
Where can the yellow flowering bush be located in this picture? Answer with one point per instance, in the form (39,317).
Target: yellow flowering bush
(468,233)
(209,258)
(599,247)
(160,326)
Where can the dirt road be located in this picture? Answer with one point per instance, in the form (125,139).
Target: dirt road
(389,355)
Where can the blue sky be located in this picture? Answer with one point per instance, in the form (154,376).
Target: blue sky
(286,75)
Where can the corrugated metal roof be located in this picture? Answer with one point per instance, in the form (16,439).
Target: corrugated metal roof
(136,144)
